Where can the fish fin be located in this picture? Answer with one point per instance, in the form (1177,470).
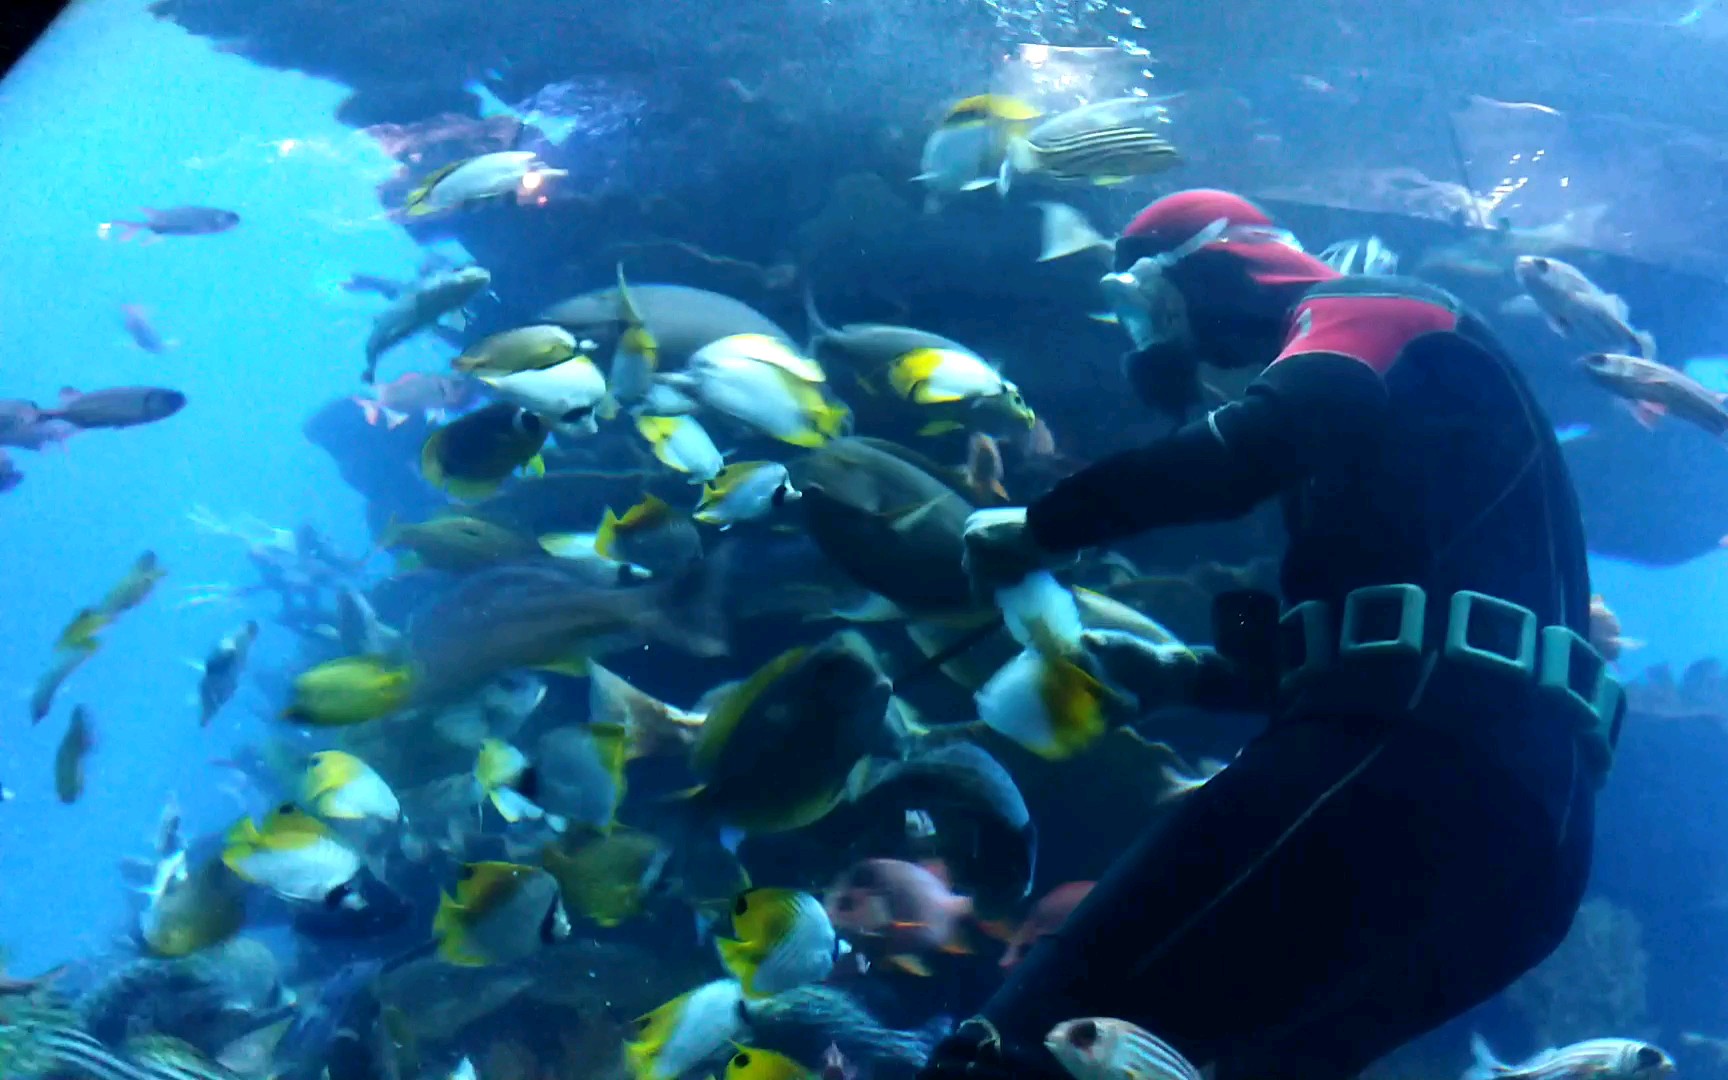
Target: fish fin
(911,965)
(998,929)
(940,427)
(368,409)
(394,419)
(909,925)
(1646,344)
(1648,413)
(577,666)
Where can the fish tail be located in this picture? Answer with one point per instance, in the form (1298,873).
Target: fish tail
(1484,1065)
(1646,344)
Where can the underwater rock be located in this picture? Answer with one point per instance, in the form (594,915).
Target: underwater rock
(1594,983)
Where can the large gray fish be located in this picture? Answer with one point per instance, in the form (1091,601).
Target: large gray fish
(547,615)
(890,520)
(118,407)
(420,309)
(1105,142)
(680,318)
(1593,1059)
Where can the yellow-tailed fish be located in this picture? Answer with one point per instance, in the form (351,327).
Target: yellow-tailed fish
(636,356)
(964,152)
(766,396)
(608,878)
(775,751)
(501,913)
(504,775)
(745,491)
(75,746)
(340,787)
(680,1034)
(1044,699)
(683,445)
(296,856)
(781,939)
(526,348)
(579,774)
(349,690)
(568,395)
(953,377)
(654,726)
(650,534)
(472,457)
(753,1063)
(505,174)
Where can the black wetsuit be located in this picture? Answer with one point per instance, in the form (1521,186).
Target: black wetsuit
(1357,876)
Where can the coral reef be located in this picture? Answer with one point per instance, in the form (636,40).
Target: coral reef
(1593,985)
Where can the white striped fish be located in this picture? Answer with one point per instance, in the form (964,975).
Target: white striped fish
(32,1049)
(1104,142)
(1100,1048)
(1593,1059)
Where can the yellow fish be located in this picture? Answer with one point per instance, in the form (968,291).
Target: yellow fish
(782,939)
(349,690)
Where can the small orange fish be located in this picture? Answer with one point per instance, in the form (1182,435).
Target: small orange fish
(984,467)
(1046,918)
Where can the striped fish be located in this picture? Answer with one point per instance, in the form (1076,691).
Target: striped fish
(51,1048)
(1103,143)
(1593,1059)
(1101,1048)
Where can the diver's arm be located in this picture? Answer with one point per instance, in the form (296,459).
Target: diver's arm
(1305,412)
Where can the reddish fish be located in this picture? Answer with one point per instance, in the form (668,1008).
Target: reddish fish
(984,468)
(1047,917)
(430,397)
(899,911)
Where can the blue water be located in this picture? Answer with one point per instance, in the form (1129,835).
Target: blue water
(125,111)
(265,339)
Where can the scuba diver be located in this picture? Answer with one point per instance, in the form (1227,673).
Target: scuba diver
(1412,831)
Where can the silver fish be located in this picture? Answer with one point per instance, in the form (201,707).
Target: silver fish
(1592,1059)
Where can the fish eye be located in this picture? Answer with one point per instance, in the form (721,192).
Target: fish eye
(1083,1035)
(1540,264)
(844,903)
(741,1060)
(741,905)
(1649,1057)
(780,493)
(287,808)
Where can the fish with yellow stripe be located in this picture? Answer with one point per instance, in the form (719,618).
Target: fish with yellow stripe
(296,856)
(1047,699)
(651,535)
(500,913)
(340,787)
(781,939)
(681,1034)
(745,491)
(964,152)
(470,458)
(762,382)
(1104,142)
(683,445)
(636,356)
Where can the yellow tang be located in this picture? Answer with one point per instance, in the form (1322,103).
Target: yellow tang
(349,690)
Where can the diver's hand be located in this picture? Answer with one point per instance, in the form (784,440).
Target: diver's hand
(1000,551)
(1158,676)
(976,1051)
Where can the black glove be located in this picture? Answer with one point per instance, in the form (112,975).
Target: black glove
(976,1051)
